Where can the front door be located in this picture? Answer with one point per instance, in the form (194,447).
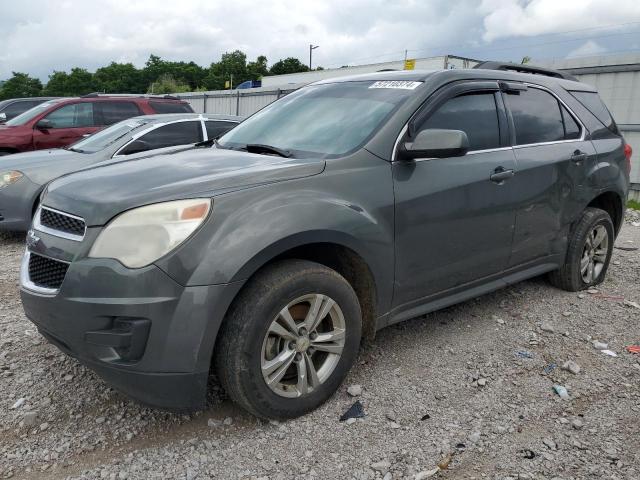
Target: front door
(68,124)
(455,216)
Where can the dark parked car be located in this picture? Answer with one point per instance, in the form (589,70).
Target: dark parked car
(346,206)
(63,121)
(24,175)
(15,106)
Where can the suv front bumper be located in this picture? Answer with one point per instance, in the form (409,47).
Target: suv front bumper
(145,334)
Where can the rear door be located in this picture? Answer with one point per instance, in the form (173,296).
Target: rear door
(553,160)
(110,112)
(454,217)
(69,123)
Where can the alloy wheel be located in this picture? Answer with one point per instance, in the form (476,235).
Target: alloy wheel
(594,254)
(303,345)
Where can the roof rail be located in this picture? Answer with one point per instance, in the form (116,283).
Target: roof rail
(522,68)
(129,95)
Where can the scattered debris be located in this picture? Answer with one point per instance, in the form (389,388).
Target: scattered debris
(611,353)
(599,345)
(562,392)
(633,349)
(547,327)
(444,463)
(426,416)
(426,473)
(355,411)
(566,314)
(577,424)
(593,291)
(529,454)
(571,366)
(524,354)
(482,382)
(627,249)
(629,303)
(212,422)
(549,443)
(550,368)
(355,390)
(18,403)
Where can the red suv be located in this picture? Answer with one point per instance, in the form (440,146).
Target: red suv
(63,121)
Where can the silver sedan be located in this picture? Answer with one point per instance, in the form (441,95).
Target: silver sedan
(24,175)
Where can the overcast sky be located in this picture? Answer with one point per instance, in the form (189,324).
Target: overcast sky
(39,36)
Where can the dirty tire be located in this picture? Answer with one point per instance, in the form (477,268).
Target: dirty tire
(569,276)
(239,348)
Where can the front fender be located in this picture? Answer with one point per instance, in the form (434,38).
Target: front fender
(248,228)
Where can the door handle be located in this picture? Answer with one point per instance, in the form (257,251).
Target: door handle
(499,175)
(578,156)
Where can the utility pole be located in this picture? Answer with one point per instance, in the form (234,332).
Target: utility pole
(311,49)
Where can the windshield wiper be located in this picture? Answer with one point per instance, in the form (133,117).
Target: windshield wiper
(77,150)
(260,148)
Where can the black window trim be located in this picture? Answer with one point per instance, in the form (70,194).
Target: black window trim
(455,89)
(583,129)
(153,127)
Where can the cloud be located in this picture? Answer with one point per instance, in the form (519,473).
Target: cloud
(587,48)
(518,18)
(39,36)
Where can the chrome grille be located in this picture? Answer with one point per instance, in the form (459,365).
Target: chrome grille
(63,223)
(45,272)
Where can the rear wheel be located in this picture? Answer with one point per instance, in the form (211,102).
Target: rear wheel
(289,339)
(588,253)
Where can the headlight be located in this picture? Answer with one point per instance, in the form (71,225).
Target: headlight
(141,236)
(7,178)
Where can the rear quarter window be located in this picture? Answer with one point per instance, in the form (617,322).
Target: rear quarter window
(592,102)
(171,107)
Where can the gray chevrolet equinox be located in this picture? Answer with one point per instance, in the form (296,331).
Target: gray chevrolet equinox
(346,206)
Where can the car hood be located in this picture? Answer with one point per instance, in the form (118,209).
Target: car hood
(98,194)
(43,165)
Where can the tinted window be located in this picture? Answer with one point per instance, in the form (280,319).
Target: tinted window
(17,108)
(72,116)
(215,129)
(114,112)
(595,105)
(171,107)
(32,112)
(474,114)
(181,133)
(571,127)
(536,116)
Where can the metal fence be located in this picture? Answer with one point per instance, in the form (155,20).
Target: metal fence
(236,102)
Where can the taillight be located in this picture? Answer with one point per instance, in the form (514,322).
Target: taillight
(627,154)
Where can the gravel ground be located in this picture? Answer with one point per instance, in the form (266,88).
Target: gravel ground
(469,388)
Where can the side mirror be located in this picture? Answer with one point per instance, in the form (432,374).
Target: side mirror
(3,117)
(436,143)
(44,124)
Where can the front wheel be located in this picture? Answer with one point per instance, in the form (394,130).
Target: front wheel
(588,254)
(289,339)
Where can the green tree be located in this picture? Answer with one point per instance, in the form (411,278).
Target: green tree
(231,64)
(20,85)
(119,78)
(258,69)
(79,82)
(167,84)
(288,65)
(56,86)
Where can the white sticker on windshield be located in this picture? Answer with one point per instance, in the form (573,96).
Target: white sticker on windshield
(402,84)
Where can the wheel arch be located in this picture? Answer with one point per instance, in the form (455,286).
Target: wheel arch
(335,250)
(612,203)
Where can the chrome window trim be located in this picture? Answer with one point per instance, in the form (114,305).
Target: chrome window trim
(25,280)
(583,131)
(58,233)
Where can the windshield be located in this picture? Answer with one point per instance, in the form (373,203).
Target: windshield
(102,139)
(321,120)
(31,113)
